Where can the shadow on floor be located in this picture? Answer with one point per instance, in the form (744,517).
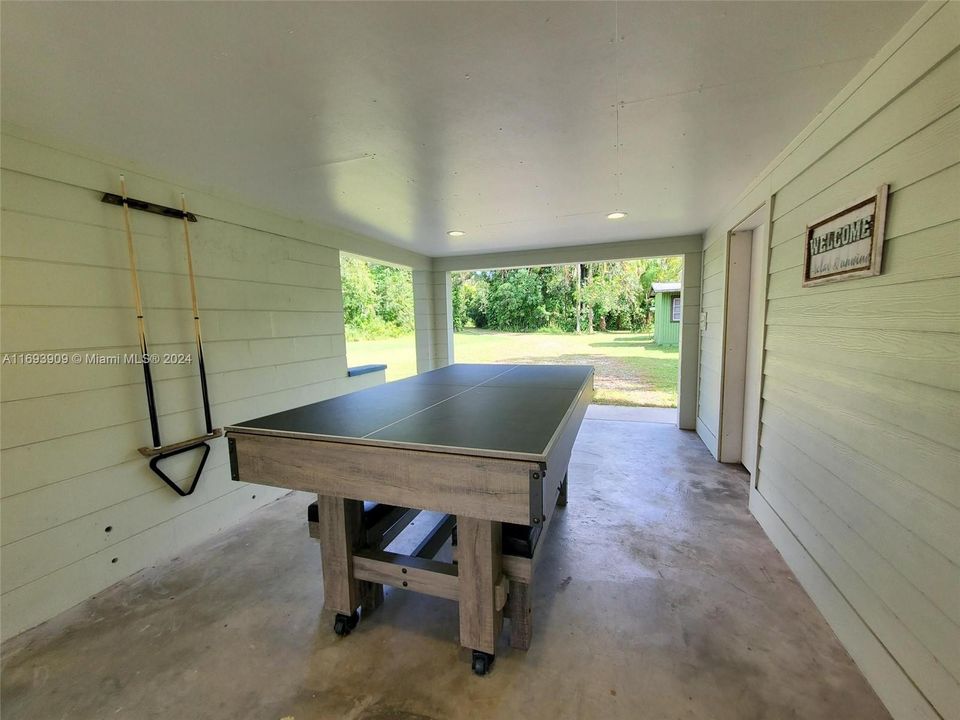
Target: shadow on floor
(656,595)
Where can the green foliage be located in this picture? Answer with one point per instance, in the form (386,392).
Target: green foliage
(560,296)
(457,302)
(609,295)
(476,299)
(394,294)
(516,300)
(375,329)
(377,299)
(359,291)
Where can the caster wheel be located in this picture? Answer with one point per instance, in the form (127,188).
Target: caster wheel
(482,662)
(343,624)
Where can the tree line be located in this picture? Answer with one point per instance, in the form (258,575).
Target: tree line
(583,297)
(377,299)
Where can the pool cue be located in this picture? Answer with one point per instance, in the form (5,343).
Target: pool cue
(144,355)
(196,318)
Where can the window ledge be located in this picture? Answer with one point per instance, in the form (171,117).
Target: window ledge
(364,369)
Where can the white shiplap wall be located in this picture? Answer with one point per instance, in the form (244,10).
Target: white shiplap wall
(433,318)
(711,341)
(689,342)
(269,293)
(858,479)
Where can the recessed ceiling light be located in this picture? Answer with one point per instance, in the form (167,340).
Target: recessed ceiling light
(456,233)
(616,215)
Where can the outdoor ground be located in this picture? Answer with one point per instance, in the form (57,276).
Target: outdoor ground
(630,368)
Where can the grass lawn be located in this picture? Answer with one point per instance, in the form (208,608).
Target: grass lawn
(630,368)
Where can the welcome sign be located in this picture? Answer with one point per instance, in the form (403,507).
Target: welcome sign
(847,243)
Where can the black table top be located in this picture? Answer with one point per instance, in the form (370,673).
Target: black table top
(509,411)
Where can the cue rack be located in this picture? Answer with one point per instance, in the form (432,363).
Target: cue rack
(158,451)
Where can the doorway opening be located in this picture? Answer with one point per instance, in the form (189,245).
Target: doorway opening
(623,317)
(378,315)
(743,341)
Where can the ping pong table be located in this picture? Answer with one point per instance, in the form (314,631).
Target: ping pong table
(487,446)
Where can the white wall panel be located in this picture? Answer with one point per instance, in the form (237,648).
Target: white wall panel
(80,509)
(860,422)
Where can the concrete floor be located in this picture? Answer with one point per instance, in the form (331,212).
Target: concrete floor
(632,414)
(657,596)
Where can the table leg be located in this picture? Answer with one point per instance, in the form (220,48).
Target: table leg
(339,524)
(562,497)
(371,596)
(479,569)
(521,615)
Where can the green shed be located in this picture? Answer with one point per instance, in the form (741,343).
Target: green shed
(666,313)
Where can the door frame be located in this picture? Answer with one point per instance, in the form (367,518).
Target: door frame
(762,215)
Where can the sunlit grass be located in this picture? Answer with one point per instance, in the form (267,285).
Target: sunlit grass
(630,368)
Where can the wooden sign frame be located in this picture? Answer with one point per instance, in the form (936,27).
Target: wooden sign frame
(876,240)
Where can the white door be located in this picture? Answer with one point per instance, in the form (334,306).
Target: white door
(754,359)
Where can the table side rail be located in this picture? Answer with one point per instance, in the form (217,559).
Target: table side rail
(484,488)
(560,451)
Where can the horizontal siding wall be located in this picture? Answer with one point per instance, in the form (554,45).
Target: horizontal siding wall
(711,342)
(689,341)
(666,331)
(860,427)
(433,318)
(872,368)
(80,509)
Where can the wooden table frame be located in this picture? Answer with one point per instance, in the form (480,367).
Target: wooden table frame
(480,492)
(341,524)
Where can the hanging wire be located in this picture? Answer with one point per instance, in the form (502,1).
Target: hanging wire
(616,72)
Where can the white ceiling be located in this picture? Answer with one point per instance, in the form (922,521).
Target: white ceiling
(404,120)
